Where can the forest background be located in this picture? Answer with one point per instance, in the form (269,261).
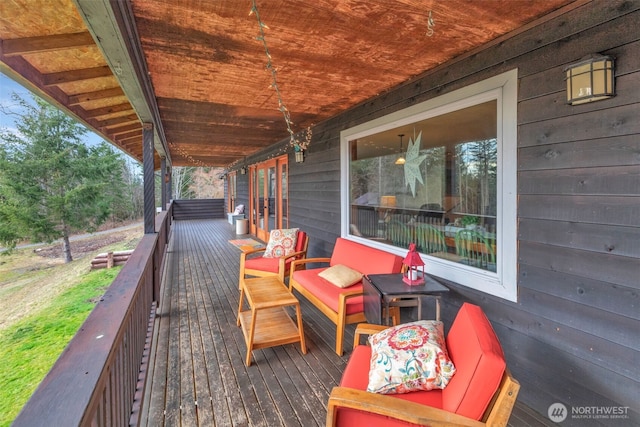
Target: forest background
(44,295)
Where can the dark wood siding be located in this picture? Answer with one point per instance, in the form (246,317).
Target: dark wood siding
(574,334)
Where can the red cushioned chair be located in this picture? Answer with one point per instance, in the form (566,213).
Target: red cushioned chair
(481,393)
(253,265)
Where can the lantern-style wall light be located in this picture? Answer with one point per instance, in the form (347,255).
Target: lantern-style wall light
(591,79)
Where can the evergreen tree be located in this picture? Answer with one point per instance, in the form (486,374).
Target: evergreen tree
(51,184)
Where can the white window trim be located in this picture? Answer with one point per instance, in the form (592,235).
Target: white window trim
(503,88)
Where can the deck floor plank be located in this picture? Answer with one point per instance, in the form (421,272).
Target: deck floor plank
(197,375)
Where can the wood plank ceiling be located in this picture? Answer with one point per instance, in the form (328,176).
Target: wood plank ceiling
(196,69)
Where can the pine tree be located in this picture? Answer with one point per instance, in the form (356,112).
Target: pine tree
(51,184)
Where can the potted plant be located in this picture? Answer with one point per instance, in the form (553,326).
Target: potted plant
(470,222)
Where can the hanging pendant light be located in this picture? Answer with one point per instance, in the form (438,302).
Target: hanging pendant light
(400,160)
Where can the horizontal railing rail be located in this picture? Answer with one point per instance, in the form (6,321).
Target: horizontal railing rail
(95,379)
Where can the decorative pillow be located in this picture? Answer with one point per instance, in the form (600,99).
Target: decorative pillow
(281,243)
(341,276)
(409,357)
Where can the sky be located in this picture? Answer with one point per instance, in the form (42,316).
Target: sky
(7,88)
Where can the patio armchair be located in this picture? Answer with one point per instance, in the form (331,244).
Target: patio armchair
(254,263)
(482,392)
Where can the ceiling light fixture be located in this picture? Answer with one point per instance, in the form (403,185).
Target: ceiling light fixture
(400,160)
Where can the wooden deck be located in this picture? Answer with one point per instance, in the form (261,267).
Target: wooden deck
(197,375)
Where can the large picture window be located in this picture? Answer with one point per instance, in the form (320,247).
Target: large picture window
(441,175)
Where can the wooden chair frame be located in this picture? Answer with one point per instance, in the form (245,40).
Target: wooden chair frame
(339,318)
(282,263)
(496,415)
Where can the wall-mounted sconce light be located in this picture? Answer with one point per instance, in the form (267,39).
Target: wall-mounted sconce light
(299,156)
(591,79)
(243,170)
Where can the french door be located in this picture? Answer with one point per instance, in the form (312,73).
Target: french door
(231,191)
(268,195)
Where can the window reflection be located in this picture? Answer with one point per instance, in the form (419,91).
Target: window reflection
(443,198)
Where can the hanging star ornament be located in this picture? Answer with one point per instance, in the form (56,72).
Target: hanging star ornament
(412,164)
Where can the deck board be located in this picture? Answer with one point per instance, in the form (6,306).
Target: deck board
(197,375)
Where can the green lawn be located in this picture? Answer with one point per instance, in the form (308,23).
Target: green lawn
(29,348)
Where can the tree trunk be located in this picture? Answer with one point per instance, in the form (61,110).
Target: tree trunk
(66,247)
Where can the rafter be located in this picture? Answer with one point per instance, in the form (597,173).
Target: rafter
(22,46)
(70,76)
(125,129)
(131,134)
(118,121)
(103,111)
(92,96)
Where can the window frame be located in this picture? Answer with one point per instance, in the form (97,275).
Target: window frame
(503,88)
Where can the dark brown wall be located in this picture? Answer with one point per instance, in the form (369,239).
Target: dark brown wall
(574,335)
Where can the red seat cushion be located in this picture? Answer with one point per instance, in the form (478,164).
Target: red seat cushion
(477,354)
(271,264)
(262,264)
(356,375)
(327,292)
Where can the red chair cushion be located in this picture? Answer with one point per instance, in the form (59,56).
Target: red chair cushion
(262,264)
(271,264)
(364,259)
(477,355)
(356,375)
(301,240)
(327,292)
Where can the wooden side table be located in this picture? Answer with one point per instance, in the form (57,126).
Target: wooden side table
(382,291)
(266,323)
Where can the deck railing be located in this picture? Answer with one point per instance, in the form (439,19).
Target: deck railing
(96,380)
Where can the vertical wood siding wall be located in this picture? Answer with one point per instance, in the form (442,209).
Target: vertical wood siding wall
(574,335)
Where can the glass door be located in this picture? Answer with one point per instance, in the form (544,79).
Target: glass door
(269,186)
(284,193)
(265,199)
(231,191)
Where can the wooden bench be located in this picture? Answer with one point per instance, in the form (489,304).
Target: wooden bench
(342,306)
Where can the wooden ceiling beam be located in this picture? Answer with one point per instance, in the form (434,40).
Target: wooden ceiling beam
(124,129)
(96,95)
(70,76)
(115,121)
(26,45)
(131,139)
(131,134)
(103,111)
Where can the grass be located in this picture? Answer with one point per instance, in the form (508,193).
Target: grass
(43,302)
(29,348)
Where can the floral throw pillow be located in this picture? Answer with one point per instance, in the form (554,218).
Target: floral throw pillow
(281,243)
(409,357)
